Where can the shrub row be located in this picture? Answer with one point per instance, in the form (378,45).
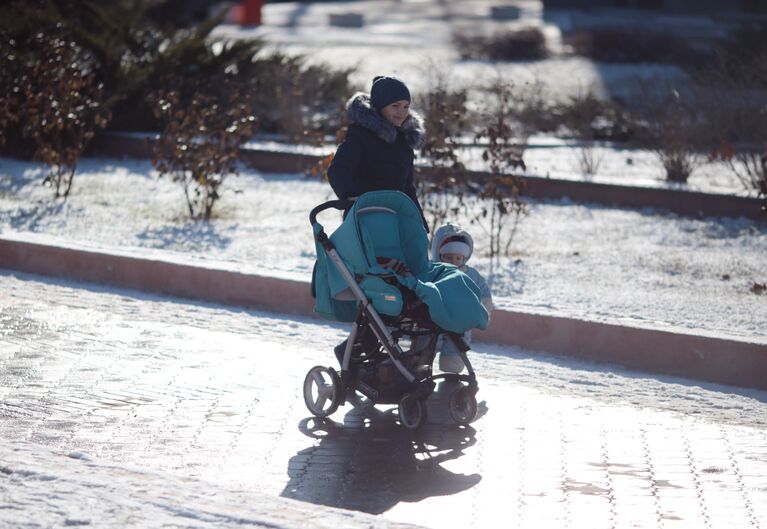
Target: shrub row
(69,67)
(512,45)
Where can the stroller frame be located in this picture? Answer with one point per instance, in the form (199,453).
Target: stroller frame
(340,387)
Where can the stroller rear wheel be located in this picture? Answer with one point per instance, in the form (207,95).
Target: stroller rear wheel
(463,405)
(412,412)
(322,391)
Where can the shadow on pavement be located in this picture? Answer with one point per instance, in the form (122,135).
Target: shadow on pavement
(370,463)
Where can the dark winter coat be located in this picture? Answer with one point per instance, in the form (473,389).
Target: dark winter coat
(375,155)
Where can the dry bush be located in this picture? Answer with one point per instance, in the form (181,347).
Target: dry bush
(135,46)
(533,108)
(513,45)
(52,98)
(733,94)
(740,61)
(737,121)
(633,46)
(443,189)
(200,144)
(499,194)
(588,117)
(296,99)
(448,189)
(673,128)
(207,116)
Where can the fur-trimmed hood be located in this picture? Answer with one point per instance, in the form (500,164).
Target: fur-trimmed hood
(360,112)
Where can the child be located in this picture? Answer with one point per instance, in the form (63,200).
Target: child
(451,244)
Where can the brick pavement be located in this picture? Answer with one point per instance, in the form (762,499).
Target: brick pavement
(214,392)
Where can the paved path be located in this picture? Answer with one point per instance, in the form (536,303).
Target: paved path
(214,392)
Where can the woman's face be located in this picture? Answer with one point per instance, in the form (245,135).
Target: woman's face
(397,112)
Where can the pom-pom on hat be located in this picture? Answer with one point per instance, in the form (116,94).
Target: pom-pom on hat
(455,244)
(387,90)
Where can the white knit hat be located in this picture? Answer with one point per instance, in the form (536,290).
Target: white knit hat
(455,244)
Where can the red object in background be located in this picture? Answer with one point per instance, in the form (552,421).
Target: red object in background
(251,12)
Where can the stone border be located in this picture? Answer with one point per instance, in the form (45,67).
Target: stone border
(686,203)
(710,358)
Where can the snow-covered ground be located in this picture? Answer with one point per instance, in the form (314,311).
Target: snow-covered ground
(44,488)
(127,409)
(551,157)
(640,267)
(586,261)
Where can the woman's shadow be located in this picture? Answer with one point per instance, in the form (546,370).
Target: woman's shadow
(370,463)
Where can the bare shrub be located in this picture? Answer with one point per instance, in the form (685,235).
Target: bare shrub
(513,45)
(739,61)
(581,115)
(448,189)
(296,99)
(633,46)
(533,108)
(735,108)
(747,162)
(52,95)
(589,158)
(673,129)
(137,46)
(499,194)
(443,189)
(206,119)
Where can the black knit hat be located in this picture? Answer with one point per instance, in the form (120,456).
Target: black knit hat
(387,90)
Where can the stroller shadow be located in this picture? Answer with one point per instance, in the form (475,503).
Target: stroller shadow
(370,463)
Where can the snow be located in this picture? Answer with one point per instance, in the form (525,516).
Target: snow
(551,157)
(47,488)
(634,267)
(586,261)
(147,370)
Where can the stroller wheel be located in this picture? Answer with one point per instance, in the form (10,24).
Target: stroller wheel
(412,412)
(322,391)
(463,405)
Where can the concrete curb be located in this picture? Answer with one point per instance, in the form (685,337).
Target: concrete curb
(709,358)
(681,202)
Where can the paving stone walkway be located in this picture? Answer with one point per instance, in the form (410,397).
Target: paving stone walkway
(214,392)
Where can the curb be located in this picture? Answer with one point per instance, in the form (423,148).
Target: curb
(710,358)
(685,203)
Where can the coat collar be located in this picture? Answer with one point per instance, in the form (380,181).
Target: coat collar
(360,112)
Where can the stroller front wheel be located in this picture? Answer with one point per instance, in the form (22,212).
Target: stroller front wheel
(322,391)
(412,412)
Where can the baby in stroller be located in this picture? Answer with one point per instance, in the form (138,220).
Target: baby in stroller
(374,272)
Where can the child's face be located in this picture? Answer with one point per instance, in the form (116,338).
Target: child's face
(455,259)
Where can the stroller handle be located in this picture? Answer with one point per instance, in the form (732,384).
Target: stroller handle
(342,205)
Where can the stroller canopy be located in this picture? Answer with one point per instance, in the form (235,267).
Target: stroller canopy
(383,236)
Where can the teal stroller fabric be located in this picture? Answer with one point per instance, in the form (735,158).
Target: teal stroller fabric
(384,227)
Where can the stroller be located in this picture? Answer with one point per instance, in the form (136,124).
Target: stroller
(374,272)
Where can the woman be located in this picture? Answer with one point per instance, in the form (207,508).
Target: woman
(378,151)
(377,154)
